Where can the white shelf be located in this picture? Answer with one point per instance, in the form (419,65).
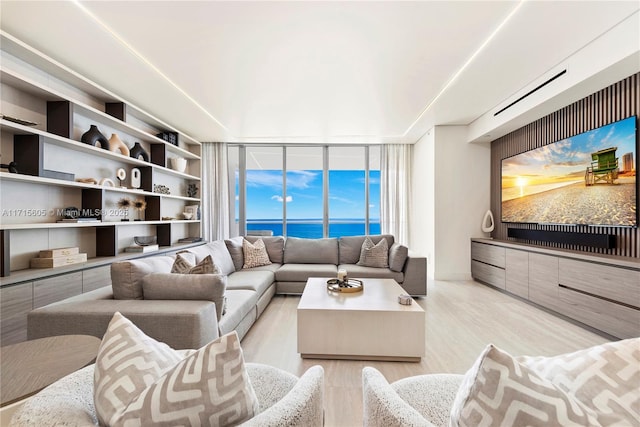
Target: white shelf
(6,176)
(33,80)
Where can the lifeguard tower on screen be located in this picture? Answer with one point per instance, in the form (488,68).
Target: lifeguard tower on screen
(604,167)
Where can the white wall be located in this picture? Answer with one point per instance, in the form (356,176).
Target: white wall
(450,198)
(422,215)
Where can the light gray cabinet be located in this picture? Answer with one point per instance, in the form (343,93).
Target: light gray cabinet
(487,264)
(57,288)
(601,292)
(517,272)
(15,303)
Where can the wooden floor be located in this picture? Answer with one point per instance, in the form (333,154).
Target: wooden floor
(462,318)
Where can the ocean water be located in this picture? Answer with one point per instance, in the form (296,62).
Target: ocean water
(311,229)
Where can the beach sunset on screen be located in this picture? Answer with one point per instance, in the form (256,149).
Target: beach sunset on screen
(588,178)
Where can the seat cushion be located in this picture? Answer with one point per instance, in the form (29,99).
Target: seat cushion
(251,279)
(239,303)
(301,272)
(359,271)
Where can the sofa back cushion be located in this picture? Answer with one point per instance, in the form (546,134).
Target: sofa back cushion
(220,254)
(311,251)
(274,244)
(126,276)
(350,246)
(234,246)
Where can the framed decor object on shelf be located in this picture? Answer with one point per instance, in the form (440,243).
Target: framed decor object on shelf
(194,210)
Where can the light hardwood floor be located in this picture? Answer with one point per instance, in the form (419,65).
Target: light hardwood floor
(462,318)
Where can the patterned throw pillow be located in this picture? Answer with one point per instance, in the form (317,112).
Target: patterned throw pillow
(605,377)
(499,391)
(137,378)
(255,254)
(374,255)
(128,361)
(208,388)
(182,266)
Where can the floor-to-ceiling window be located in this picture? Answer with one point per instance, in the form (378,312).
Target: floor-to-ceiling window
(306,191)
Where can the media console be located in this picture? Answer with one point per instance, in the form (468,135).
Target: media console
(600,291)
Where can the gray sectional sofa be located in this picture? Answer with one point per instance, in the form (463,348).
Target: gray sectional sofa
(145,290)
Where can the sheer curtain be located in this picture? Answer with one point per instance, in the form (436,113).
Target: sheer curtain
(214,193)
(395,189)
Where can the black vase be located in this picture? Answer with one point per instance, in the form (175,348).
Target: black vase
(137,152)
(94,137)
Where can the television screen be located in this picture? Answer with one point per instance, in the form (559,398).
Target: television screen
(588,179)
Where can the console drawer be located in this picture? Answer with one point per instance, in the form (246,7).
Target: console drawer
(615,319)
(489,254)
(488,274)
(617,284)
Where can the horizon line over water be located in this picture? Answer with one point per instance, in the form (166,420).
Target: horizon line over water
(312,228)
(515,192)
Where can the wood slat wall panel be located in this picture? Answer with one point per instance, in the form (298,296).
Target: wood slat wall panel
(611,104)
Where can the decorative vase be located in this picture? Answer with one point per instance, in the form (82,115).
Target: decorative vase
(178,164)
(95,138)
(116,144)
(487,222)
(137,152)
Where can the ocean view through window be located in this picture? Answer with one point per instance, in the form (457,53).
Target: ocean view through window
(307,192)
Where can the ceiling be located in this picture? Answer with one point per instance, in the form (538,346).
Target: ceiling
(339,72)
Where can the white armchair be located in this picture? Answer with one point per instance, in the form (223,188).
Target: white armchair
(419,401)
(285,400)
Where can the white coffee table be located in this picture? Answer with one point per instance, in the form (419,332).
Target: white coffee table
(368,325)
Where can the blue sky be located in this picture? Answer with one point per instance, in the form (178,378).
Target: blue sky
(304,194)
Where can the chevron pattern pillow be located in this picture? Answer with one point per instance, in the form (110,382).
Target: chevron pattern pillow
(499,391)
(182,266)
(374,255)
(139,381)
(606,377)
(255,254)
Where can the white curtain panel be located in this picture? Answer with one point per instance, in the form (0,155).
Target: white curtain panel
(215,191)
(395,188)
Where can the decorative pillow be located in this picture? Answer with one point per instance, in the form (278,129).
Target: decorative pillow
(220,254)
(234,246)
(138,378)
(209,388)
(604,377)
(182,266)
(397,256)
(171,286)
(255,254)
(128,361)
(374,255)
(274,244)
(499,391)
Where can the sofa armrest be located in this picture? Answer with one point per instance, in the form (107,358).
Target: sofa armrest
(415,276)
(180,324)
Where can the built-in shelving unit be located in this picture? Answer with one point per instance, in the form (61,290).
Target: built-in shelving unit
(51,159)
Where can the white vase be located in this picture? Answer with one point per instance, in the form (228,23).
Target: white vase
(487,222)
(178,164)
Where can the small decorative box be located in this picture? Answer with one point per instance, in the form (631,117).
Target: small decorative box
(405,299)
